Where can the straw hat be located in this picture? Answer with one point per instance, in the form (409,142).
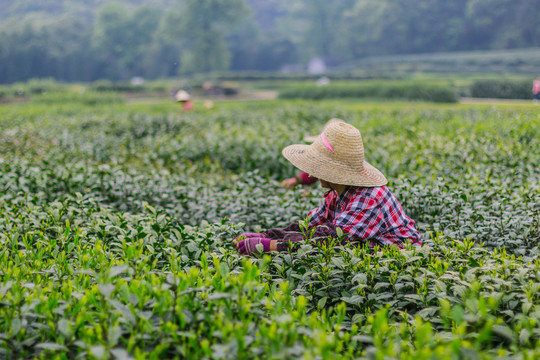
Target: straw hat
(336,156)
(314,137)
(182,95)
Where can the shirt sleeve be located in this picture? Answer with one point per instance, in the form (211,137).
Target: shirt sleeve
(305,179)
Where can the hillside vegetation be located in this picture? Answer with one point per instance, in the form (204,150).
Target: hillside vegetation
(118,40)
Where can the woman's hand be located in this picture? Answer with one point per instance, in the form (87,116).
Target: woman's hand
(247,235)
(289,183)
(248,246)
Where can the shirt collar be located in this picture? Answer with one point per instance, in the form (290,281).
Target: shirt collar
(345,194)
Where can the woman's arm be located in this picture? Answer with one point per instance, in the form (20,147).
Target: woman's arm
(305,179)
(284,240)
(300,179)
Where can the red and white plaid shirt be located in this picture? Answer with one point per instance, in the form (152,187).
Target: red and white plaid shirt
(367,214)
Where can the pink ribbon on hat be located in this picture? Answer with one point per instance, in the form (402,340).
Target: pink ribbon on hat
(326,143)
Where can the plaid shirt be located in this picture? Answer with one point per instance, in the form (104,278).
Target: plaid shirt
(366,214)
(370,214)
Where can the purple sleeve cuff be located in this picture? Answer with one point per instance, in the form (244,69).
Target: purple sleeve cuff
(305,179)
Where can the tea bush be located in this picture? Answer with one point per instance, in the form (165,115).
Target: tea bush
(502,89)
(375,90)
(91,98)
(124,87)
(116,225)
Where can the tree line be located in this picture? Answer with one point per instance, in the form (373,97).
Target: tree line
(86,41)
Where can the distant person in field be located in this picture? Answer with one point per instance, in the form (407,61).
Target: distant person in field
(299,179)
(184,98)
(536,90)
(358,200)
(304,178)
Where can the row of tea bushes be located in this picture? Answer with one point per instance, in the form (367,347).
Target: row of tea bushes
(373,90)
(82,280)
(497,217)
(467,173)
(502,89)
(87,98)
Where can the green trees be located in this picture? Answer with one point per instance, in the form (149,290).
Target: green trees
(43,47)
(122,38)
(490,20)
(392,26)
(203,25)
(117,40)
(110,30)
(319,27)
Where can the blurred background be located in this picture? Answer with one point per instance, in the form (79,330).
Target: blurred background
(134,40)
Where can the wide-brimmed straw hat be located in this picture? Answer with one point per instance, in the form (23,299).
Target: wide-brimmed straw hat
(182,95)
(336,156)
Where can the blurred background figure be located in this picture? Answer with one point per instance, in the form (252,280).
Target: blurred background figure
(323,81)
(536,90)
(300,179)
(184,98)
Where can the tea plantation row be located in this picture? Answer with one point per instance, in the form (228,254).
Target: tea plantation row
(115,230)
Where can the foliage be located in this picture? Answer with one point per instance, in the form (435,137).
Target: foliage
(502,89)
(123,87)
(46,47)
(320,27)
(382,90)
(280,78)
(203,24)
(121,38)
(116,224)
(393,27)
(86,41)
(33,87)
(493,63)
(83,97)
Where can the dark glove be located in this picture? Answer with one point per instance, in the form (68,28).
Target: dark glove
(249,245)
(248,235)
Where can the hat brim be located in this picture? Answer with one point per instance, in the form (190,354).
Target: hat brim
(305,158)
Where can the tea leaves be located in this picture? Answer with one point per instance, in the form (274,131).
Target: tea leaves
(116,229)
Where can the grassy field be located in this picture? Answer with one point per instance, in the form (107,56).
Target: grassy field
(116,220)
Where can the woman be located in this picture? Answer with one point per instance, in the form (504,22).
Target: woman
(184,98)
(358,200)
